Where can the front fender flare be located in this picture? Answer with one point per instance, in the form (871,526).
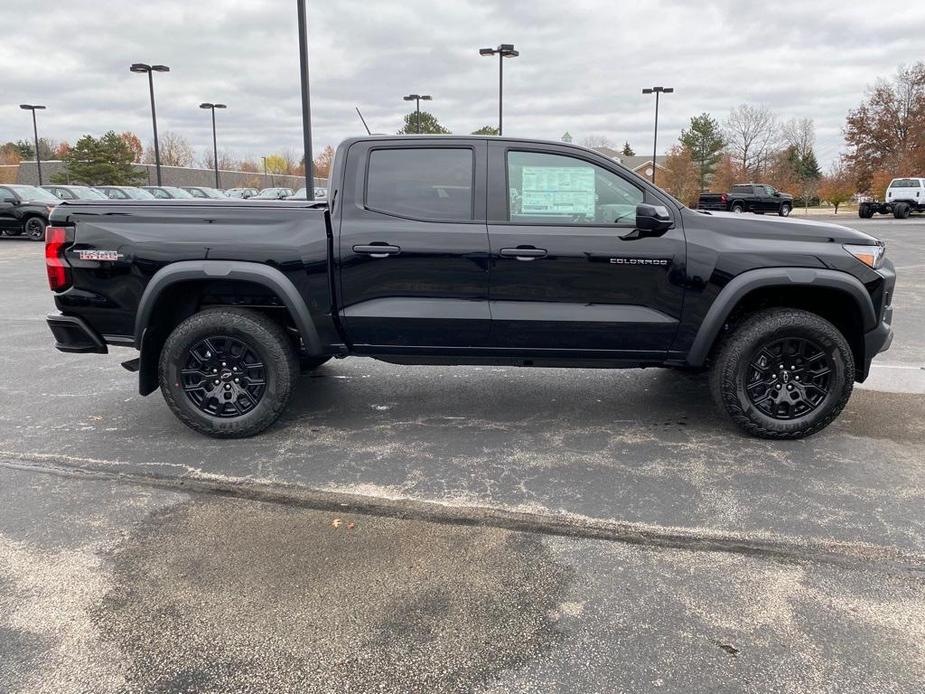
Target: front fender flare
(265,275)
(739,286)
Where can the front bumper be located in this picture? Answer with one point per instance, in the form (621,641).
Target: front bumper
(72,334)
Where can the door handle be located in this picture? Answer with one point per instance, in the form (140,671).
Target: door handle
(524,253)
(375,250)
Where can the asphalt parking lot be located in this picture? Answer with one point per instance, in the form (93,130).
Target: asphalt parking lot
(457,529)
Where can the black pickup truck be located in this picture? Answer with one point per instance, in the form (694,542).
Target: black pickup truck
(469,250)
(748,197)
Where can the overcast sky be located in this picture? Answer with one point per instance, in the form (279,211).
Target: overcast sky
(582,65)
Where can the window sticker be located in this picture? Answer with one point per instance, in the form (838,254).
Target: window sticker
(557,190)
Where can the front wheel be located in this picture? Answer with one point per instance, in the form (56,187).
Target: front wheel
(784,210)
(35,228)
(228,373)
(783,374)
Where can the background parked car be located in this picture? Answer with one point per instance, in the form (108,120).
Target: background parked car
(273,194)
(243,193)
(205,192)
(748,197)
(69,192)
(25,210)
(124,193)
(302,194)
(168,192)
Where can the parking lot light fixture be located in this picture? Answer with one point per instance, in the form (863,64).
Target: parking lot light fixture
(35,131)
(143,68)
(418,98)
(212,108)
(505,50)
(657,91)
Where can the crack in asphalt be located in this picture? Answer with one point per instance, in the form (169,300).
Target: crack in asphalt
(856,555)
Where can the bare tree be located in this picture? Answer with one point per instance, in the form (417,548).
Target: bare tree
(752,134)
(799,133)
(592,141)
(226,160)
(174,150)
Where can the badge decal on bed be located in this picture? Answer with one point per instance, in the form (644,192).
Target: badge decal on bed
(99,255)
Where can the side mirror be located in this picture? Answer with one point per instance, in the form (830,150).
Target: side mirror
(776,194)
(651,220)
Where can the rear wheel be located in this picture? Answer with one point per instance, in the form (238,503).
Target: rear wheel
(228,373)
(738,208)
(783,374)
(35,228)
(900,210)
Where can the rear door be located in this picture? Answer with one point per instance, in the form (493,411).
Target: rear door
(568,273)
(413,246)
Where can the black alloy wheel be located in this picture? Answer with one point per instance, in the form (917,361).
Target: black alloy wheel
(223,376)
(35,228)
(788,378)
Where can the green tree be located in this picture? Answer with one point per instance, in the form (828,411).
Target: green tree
(627,150)
(429,125)
(103,161)
(486,130)
(704,140)
(567,137)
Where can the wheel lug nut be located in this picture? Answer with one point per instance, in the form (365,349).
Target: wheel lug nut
(217,381)
(236,380)
(227,386)
(789,387)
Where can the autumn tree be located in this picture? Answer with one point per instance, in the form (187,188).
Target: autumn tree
(426,123)
(725,175)
(324,161)
(836,187)
(704,139)
(752,134)
(887,131)
(175,150)
(131,139)
(107,160)
(681,177)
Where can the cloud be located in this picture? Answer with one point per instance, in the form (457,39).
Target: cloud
(582,65)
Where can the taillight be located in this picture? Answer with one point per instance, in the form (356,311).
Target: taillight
(724,197)
(59,272)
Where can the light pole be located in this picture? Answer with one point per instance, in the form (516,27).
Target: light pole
(417,98)
(505,50)
(265,179)
(306,105)
(150,70)
(212,108)
(657,91)
(35,130)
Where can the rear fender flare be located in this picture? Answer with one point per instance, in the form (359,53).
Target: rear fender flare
(742,284)
(265,275)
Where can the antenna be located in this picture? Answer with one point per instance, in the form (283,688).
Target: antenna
(363,119)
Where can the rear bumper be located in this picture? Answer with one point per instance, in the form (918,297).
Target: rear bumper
(72,334)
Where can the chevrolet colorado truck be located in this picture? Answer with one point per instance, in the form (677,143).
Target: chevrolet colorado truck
(469,250)
(748,197)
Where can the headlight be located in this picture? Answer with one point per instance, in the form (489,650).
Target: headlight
(871,256)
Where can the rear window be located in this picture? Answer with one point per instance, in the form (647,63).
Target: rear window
(906,183)
(742,190)
(421,183)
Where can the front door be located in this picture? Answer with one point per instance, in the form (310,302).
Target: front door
(568,273)
(8,202)
(413,246)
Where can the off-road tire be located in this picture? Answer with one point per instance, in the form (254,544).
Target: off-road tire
(900,210)
(265,337)
(738,208)
(34,227)
(732,363)
(784,210)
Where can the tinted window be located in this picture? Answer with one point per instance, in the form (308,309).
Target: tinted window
(8,195)
(555,188)
(422,183)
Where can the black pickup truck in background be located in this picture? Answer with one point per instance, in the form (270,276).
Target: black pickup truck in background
(748,197)
(469,250)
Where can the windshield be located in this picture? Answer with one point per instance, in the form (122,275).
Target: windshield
(138,194)
(213,193)
(177,192)
(85,193)
(268,193)
(34,194)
